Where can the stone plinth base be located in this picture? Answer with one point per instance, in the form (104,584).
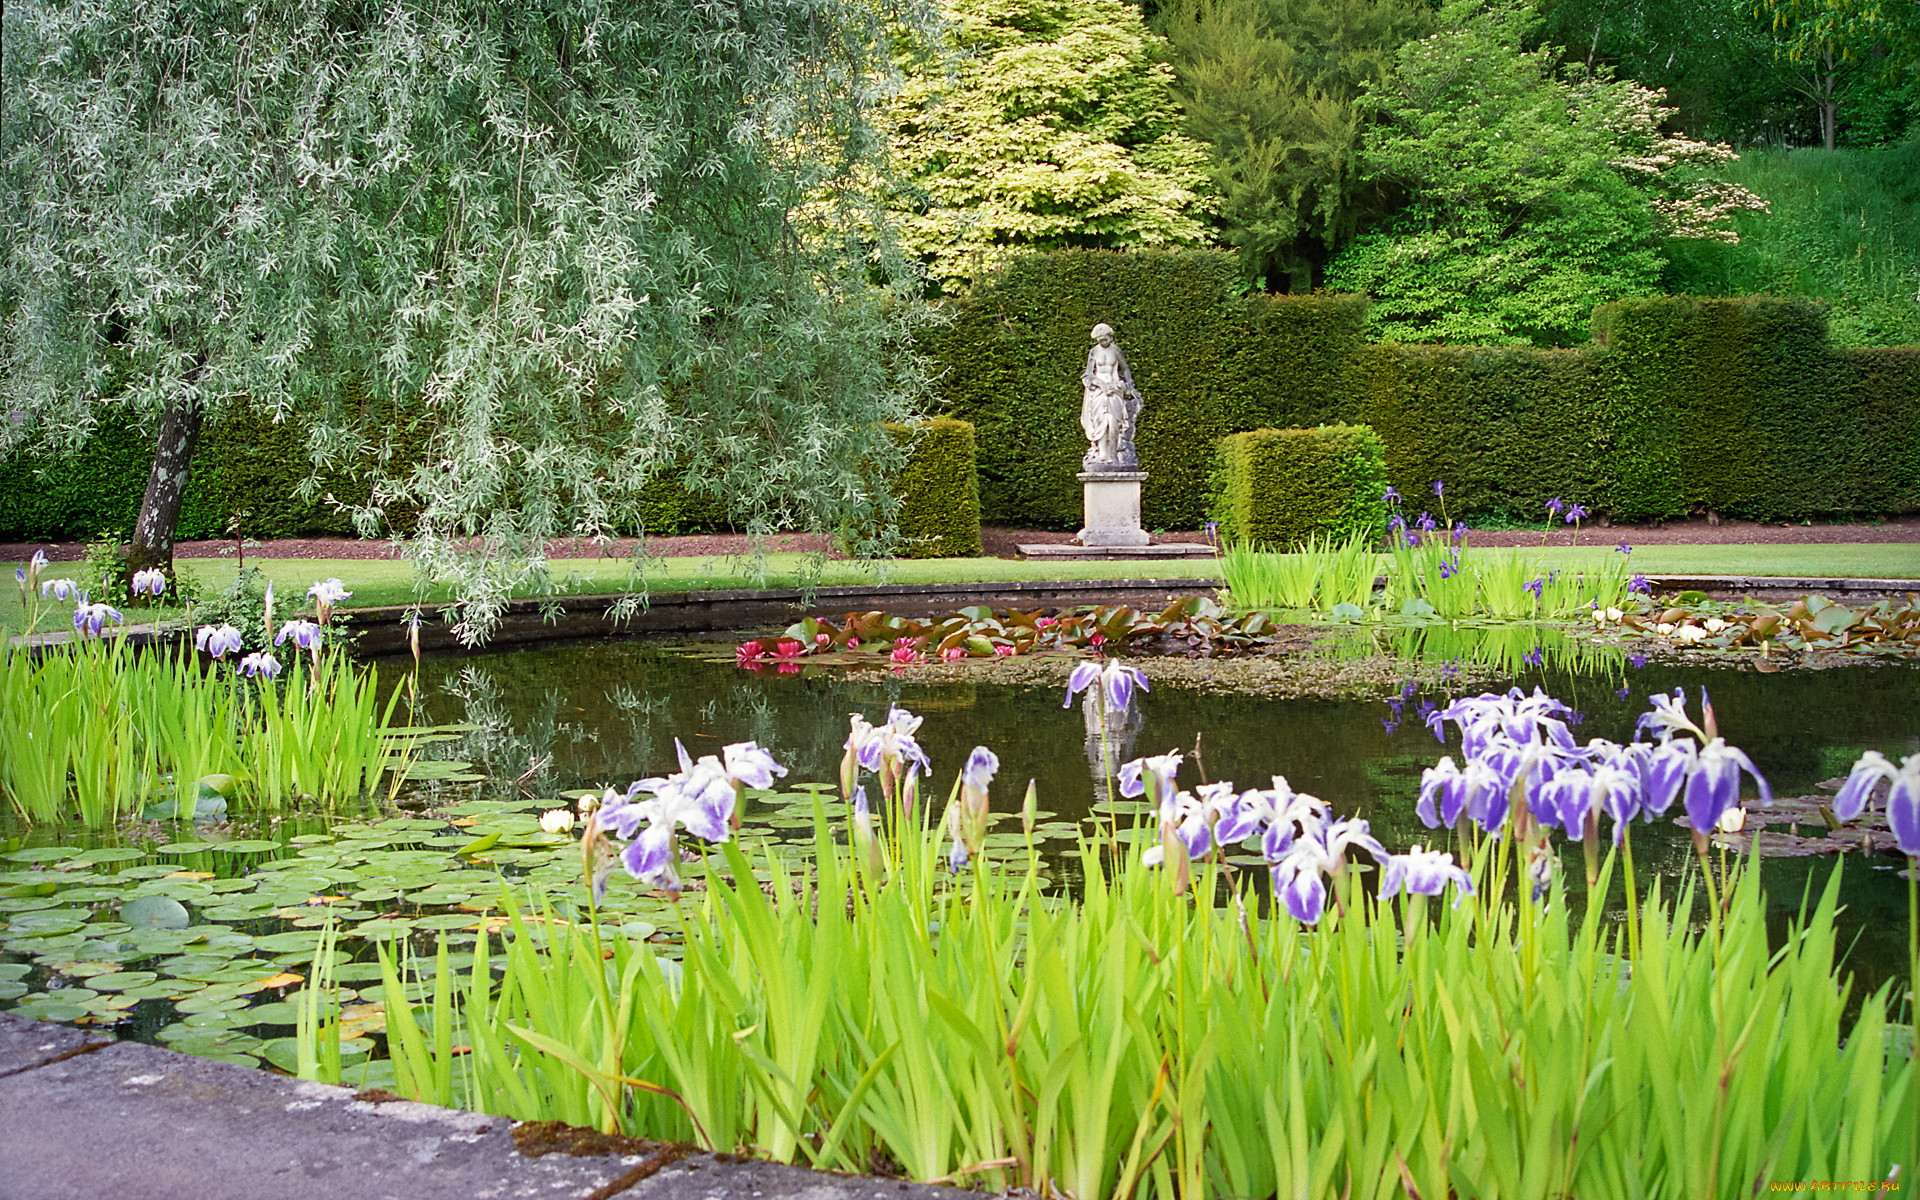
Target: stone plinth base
(1112,509)
(1059,550)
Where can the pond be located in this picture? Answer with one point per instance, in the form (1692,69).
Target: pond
(591,714)
(534,724)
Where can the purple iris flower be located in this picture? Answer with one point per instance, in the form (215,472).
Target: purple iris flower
(260,663)
(1426,523)
(1536,587)
(1424,873)
(1155,774)
(1117,680)
(1533,657)
(1575,513)
(1396,523)
(1623,548)
(1554,506)
(980,768)
(1903,796)
(1390,496)
(62,589)
(150,582)
(217,640)
(1439,488)
(1460,531)
(1713,786)
(750,764)
(1637,660)
(1640,583)
(305,634)
(91,619)
(649,857)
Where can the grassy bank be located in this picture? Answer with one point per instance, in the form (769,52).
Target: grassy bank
(378,581)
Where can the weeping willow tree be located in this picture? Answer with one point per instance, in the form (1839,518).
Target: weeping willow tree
(558,250)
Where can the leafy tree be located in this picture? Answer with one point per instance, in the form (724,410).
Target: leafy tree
(568,245)
(1046,125)
(1829,40)
(1272,86)
(1535,192)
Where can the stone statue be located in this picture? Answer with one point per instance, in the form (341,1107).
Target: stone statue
(1109,406)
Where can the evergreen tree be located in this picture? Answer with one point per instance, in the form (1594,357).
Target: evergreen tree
(1272,87)
(567,242)
(1047,124)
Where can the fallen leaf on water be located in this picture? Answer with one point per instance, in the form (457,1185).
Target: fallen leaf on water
(271,981)
(189,875)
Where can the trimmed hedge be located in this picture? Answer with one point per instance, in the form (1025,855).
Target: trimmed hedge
(1742,406)
(244,464)
(1503,429)
(939,489)
(1682,404)
(1276,488)
(1207,360)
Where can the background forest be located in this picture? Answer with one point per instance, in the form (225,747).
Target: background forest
(1488,170)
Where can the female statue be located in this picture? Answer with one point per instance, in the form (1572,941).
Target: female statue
(1109,406)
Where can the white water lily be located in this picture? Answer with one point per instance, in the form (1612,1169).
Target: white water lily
(1692,633)
(1714,624)
(557,820)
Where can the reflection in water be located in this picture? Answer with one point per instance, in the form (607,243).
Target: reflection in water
(1110,737)
(594,714)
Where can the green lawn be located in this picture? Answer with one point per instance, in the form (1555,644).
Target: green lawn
(376,581)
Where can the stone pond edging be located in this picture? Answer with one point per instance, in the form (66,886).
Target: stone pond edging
(382,630)
(83,1117)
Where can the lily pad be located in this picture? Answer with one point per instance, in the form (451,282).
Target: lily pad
(155,912)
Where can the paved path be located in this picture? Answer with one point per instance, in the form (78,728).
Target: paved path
(83,1117)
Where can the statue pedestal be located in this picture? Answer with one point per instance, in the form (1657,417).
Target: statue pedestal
(1112,509)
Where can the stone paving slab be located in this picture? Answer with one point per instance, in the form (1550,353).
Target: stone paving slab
(26,1044)
(136,1122)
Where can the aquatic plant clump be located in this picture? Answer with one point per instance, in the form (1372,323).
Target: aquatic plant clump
(96,727)
(909,1000)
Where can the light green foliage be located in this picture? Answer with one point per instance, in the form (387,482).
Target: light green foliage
(575,253)
(1535,191)
(94,730)
(1271,86)
(1047,125)
(1129,1041)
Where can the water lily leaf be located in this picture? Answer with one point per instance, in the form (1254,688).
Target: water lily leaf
(246,846)
(183,847)
(110,854)
(479,845)
(155,912)
(49,1008)
(45,854)
(1346,610)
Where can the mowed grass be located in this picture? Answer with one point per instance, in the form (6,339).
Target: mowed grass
(385,581)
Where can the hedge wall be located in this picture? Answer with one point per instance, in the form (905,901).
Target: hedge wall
(244,463)
(939,490)
(1741,406)
(1207,361)
(1279,487)
(1681,405)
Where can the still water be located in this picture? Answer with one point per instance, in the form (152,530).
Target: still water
(603,713)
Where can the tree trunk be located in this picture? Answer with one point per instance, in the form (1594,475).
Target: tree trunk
(166,485)
(1829,101)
